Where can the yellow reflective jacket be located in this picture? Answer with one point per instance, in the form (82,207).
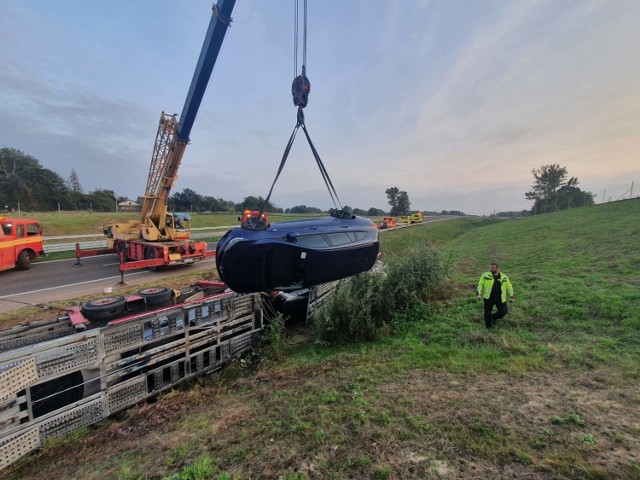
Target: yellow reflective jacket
(486,284)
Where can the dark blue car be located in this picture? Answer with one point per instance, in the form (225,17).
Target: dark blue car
(298,254)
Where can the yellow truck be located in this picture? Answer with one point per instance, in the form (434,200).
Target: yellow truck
(409,219)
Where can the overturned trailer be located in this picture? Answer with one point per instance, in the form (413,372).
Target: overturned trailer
(64,374)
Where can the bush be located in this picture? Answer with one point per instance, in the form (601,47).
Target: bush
(274,339)
(364,307)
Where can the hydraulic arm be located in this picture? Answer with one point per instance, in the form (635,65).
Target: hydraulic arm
(173,135)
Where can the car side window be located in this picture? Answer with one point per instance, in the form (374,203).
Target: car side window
(313,241)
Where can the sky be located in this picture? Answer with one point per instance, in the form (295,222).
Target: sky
(454,102)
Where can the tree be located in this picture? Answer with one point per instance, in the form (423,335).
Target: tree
(102,200)
(376,212)
(303,209)
(552,191)
(76,194)
(186,200)
(73,183)
(255,203)
(24,181)
(404,205)
(399,201)
(392,195)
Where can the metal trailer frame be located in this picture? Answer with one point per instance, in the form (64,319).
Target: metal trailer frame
(119,365)
(51,388)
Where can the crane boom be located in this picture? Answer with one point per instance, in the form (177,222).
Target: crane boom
(161,238)
(173,136)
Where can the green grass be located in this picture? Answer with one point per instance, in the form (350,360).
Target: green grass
(85,223)
(551,392)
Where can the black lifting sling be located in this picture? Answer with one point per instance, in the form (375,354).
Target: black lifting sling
(300,90)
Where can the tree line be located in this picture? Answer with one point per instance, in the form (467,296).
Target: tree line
(25,184)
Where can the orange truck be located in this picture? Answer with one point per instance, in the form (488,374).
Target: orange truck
(388,222)
(20,242)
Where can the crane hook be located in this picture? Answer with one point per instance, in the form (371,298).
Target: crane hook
(300,89)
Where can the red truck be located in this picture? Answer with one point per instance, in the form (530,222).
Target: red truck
(252,214)
(20,242)
(387,222)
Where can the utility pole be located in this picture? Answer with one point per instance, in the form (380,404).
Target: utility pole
(603,194)
(631,192)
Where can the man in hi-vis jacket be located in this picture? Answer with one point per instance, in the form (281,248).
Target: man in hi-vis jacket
(493,287)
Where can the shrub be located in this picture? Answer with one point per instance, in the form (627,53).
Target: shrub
(364,307)
(274,339)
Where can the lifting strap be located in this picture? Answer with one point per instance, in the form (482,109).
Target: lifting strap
(300,89)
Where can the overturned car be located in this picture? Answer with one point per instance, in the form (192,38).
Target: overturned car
(289,256)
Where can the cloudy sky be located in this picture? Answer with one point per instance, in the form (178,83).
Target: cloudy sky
(453,101)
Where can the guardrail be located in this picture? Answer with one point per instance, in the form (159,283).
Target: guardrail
(52,246)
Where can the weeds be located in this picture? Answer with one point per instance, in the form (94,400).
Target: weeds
(203,468)
(274,339)
(369,306)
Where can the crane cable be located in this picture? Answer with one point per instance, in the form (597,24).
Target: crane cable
(300,89)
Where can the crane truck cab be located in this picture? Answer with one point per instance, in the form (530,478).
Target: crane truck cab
(179,224)
(20,242)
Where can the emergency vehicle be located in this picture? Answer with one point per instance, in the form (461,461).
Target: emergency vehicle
(20,242)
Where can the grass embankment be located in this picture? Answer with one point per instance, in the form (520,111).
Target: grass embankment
(551,392)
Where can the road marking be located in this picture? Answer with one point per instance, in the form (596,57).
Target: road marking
(69,285)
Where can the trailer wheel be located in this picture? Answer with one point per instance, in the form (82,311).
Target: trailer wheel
(24,261)
(104,308)
(155,295)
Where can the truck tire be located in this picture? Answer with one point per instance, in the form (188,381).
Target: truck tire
(122,248)
(104,308)
(150,254)
(24,261)
(155,295)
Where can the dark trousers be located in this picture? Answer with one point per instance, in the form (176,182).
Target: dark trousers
(491,318)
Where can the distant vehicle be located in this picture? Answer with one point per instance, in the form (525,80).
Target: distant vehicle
(20,242)
(409,219)
(249,215)
(388,222)
(290,256)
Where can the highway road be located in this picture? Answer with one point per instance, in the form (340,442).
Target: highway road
(62,279)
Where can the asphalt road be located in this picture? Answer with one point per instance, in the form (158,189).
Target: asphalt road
(62,279)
